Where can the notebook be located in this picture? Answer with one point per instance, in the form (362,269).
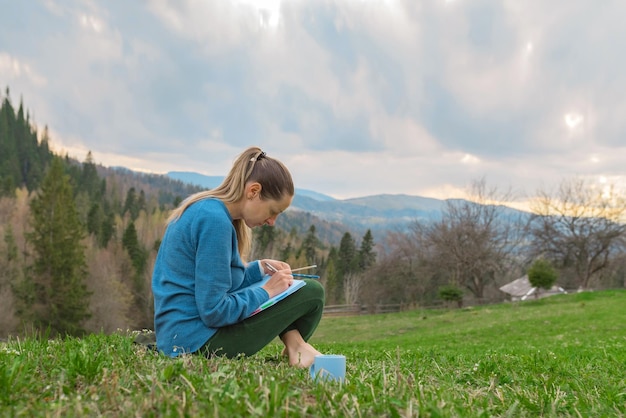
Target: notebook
(296,285)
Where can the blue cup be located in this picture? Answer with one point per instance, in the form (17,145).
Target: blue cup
(329,367)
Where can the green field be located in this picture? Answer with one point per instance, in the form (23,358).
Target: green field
(559,356)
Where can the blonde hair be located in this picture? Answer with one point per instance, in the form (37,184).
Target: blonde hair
(252,165)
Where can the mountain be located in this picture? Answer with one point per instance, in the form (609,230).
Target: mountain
(333,217)
(379,212)
(356,215)
(211,182)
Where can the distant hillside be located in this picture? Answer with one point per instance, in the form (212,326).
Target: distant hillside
(378,213)
(333,217)
(211,182)
(300,220)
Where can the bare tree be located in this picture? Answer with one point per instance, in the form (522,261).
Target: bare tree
(398,275)
(14,254)
(351,288)
(113,304)
(474,241)
(579,227)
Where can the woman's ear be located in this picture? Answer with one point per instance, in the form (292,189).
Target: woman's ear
(253,190)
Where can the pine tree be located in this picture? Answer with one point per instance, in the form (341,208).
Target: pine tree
(132,204)
(137,254)
(95,219)
(89,180)
(310,245)
(330,276)
(108,226)
(98,220)
(9,162)
(367,255)
(45,155)
(61,299)
(30,165)
(22,158)
(138,257)
(141,202)
(347,262)
(347,255)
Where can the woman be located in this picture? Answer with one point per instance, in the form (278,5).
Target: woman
(204,291)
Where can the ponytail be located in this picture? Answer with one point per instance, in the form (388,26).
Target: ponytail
(252,165)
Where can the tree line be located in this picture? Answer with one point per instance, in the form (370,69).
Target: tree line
(478,245)
(79,241)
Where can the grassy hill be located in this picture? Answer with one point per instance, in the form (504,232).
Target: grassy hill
(559,356)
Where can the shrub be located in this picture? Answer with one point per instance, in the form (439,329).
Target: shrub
(541,274)
(451,293)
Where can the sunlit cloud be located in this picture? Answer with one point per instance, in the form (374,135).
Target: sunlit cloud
(11,67)
(92,23)
(610,187)
(269,11)
(470,159)
(573,120)
(389,95)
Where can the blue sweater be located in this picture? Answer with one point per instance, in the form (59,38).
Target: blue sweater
(199,281)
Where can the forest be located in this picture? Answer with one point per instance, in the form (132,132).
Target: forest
(79,241)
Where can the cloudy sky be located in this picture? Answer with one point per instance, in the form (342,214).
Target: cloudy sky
(357,97)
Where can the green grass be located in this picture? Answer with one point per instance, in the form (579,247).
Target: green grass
(559,356)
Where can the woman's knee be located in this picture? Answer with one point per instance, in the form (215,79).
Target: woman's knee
(314,289)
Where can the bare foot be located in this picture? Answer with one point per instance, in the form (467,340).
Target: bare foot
(300,353)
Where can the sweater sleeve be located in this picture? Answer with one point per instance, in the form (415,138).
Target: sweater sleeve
(223,292)
(254,274)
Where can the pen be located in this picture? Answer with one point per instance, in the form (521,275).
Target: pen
(271,267)
(304,268)
(306,276)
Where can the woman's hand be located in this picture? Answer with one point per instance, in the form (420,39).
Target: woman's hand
(271,266)
(280,279)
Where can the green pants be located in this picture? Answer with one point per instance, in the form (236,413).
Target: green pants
(302,311)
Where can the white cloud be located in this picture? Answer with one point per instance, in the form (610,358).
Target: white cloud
(12,68)
(359,97)
(92,22)
(216,26)
(470,159)
(573,120)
